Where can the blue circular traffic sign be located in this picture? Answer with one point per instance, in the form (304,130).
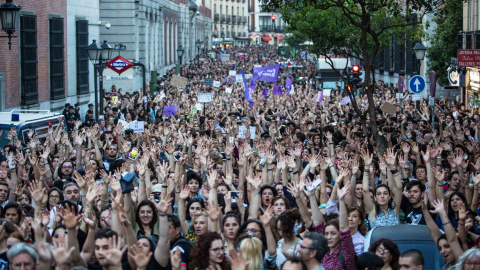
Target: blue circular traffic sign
(417,84)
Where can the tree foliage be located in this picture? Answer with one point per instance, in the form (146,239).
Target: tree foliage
(355,28)
(448,22)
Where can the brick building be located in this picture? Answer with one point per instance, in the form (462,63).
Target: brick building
(33,72)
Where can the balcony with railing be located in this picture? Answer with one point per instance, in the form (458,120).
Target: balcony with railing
(222,34)
(234,19)
(266,28)
(244,34)
(279,29)
(245,20)
(222,18)
(229,18)
(216,17)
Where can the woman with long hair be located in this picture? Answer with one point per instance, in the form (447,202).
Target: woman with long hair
(385,210)
(289,243)
(388,251)
(231,225)
(448,244)
(208,251)
(146,221)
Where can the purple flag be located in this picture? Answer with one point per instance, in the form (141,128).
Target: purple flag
(265,92)
(274,90)
(252,85)
(248,95)
(320,97)
(288,85)
(279,90)
(169,110)
(345,100)
(266,74)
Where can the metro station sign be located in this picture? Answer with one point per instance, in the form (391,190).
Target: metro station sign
(119,64)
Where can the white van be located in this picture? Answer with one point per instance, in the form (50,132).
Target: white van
(24,120)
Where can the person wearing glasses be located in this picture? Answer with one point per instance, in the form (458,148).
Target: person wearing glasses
(208,252)
(388,251)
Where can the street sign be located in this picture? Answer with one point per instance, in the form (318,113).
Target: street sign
(453,76)
(399,95)
(431,101)
(417,84)
(433,83)
(400,84)
(468,58)
(119,64)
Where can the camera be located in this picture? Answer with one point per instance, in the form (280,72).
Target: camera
(198,13)
(108,25)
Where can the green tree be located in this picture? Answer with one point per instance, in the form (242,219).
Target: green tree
(448,22)
(358,29)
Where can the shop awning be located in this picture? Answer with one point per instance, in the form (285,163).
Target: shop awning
(266,38)
(280,36)
(216,43)
(253,34)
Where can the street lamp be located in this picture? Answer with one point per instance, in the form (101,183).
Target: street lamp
(206,43)
(419,50)
(180,52)
(100,56)
(9,14)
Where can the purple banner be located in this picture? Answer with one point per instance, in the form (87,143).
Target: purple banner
(248,95)
(265,92)
(320,97)
(288,85)
(266,74)
(169,110)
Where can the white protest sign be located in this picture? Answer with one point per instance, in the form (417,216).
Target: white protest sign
(238,77)
(232,72)
(205,97)
(253,129)
(137,126)
(241,132)
(327,92)
(257,66)
(399,95)
(216,84)
(292,91)
(417,97)
(248,76)
(228,90)
(199,106)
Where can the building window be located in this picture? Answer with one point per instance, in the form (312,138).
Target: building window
(57,60)
(82,57)
(28,56)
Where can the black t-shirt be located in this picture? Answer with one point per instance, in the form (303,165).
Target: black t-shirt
(413,215)
(3,261)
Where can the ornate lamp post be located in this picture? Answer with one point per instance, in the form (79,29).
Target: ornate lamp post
(180,52)
(9,16)
(100,56)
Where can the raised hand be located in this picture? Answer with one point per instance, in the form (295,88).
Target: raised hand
(93,192)
(141,259)
(36,191)
(184,192)
(438,207)
(256,181)
(267,216)
(115,252)
(164,204)
(343,191)
(62,256)
(212,210)
(68,216)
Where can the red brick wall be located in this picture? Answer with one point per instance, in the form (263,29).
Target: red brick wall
(10,59)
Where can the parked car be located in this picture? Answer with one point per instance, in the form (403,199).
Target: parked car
(409,237)
(39,120)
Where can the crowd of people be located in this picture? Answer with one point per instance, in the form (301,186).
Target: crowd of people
(292,181)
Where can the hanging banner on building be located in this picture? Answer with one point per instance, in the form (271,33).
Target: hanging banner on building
(119,64)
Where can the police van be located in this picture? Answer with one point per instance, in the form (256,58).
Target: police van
(24,120)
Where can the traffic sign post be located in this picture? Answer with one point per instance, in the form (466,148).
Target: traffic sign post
(400,85)
(431,100)
(417,84)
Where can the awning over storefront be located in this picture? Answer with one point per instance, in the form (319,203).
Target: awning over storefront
(280,36)
(266,38)
(253,34)
(216,43)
